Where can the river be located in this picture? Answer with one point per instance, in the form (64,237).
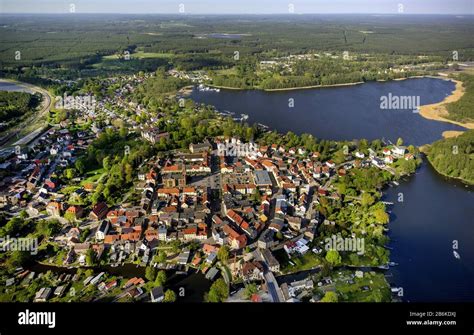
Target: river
(435,211)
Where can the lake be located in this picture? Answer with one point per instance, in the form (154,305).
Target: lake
(340,113)
(434,212)
(13,87)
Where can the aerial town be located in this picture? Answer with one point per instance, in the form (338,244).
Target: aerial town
(240,214)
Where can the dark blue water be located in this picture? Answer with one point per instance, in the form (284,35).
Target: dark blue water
(434,212)
(341,113)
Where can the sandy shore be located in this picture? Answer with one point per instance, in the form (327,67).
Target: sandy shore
(439,112)
(452,133)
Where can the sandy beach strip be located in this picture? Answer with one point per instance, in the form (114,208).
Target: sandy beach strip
(438,111)
(452,133)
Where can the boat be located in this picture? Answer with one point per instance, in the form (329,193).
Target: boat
(392,264)
(456,254)
(383,267)
(396,290)
(396,183)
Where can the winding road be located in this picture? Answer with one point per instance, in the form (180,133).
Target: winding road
(46,105)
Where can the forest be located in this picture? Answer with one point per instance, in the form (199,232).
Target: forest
(323,70)
(14,105)
(462,110)
(79,44)
(454,157)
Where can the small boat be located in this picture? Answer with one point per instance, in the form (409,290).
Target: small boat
(396,289)
(456,254)
(383,267)
(392,264)
(395,183)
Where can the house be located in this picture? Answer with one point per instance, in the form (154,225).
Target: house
(154,136)
(43,294)
(157,294)
(77,211)
(99,211)
(60,290)
(399,151)
(183,257)
(190,233)
(212,273)
(151,234)
(211,258)
(252,270)
(162,232)
(54,208)
(330,164)
(236,240)
(174,180)
(209,248)
(271,261)
(378,162)
(200,147)
(262,179)
(388,159)
(102,230)
(294,222)
(219,236)
(266,239)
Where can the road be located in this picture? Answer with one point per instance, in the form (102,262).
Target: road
(273,288)
(46,105)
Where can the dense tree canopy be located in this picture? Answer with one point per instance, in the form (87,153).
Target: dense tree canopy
(454,157)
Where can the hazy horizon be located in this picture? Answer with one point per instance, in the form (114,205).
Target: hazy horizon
(263,7)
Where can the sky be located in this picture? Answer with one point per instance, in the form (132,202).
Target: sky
(239,6)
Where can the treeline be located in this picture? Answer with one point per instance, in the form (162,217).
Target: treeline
(463,109)
(16,104)
(454,157)
(157,85)
(119,155)
(321,71)
(78,42)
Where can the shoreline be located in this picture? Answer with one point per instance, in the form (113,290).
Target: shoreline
(458,179)
(313,86)
(438,111)
(451,133)
(324,86)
